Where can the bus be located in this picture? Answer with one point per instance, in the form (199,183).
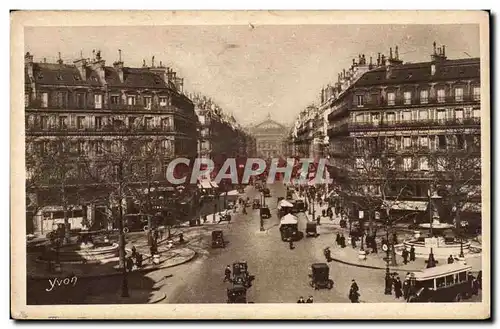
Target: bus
(446,283)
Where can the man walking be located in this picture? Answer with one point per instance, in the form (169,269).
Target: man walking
(397,288)
(412,254)
(227,274)
(405,256)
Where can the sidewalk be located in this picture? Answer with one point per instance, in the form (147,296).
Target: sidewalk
(170,258)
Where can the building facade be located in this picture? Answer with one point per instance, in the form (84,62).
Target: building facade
(269,138)
(89,125)
(408,131)
(221,137)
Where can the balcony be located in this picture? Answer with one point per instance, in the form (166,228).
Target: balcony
(400,124)
(102,130)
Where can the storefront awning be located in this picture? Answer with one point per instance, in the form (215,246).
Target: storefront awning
(410,205)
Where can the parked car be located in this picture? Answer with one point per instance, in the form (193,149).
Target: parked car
(136,222)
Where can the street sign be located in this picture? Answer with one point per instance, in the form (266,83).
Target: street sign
(385,247)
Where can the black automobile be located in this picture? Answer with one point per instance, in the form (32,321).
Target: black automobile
(218,239)
(311,229)
(299,205)
(241,275)
(256,204)
(136,222)
(289,195)
(320,276)
(265,212)
(237,294)
(267,192)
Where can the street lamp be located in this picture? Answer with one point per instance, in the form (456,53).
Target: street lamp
(388,283)
(119,168)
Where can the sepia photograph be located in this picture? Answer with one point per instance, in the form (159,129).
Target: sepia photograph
(168,164)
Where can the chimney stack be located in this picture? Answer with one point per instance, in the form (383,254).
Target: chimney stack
(144,63)
(444,49)
(397,53)
(81,65)
(119,66)
(371,64)
(153,61)
(28,62)
(382,63)
(390,53)
(434,44)
(59,61)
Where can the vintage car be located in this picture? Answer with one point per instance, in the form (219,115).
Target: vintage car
(289,228)
(218,239)
(265,212)
(320,276)
(311,229)
(289,195)
(445,283)
(256,203)
(136,222)
(241,275)
(267,192)
(299,205)
(237,295)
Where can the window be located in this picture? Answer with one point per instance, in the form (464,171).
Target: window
(391,142)
(450,280)
(26,100)
(163,101)
(391,117)
(98,148)
(476,113)
(360,163)
(131,121)
(423,115)
(406,142)
(131,100)
(423,141)
(423,164)
(81,147)
(115,99)
(98,101)
(406,116)
(61,99)
(63,122)
(80,100)
(440,282)
(441,115)
(459,114)
(44,121)
(45,99)
(476,93)
(147,102)
(375,118)
(98,122)
(459,94)
(391,98)
(166,124)
(441,96)
(462,276)
(407,97)
(407,163)
(460,142)
(442,142)
(80,122)
(360,100)
(360,117)
(167,146)
(391,163)
(424,96)
(148,123)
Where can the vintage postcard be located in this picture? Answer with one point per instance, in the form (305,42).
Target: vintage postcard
(232,165)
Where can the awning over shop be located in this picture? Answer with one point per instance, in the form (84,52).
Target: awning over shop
(410,205)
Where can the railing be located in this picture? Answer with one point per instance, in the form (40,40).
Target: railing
(110,129)
(468,122)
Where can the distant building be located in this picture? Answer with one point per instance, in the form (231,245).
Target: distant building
(269,138)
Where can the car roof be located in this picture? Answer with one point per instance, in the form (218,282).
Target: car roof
(442,270)
(319,265)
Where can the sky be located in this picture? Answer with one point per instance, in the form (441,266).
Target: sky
(253,71)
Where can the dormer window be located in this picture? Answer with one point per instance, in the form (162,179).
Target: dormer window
(59,77)
(94,79)
(77,77)
(40,76)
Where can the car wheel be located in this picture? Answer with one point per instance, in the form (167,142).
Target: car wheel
(458,298)
(330,284)
(126,230)
(145,228)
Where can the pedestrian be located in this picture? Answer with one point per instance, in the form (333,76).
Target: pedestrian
(394,238)
(450,259)
(134,252)
(205,219)
(318,219)
(412,254)
(301,300)
(227,274)
(323,212)
(405,256)
(310,299)
(337,240)
(354,292)
(342,241)
(398,288)
(388,283)
(290,243)
(406,288)
(374,246)
(353,241)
